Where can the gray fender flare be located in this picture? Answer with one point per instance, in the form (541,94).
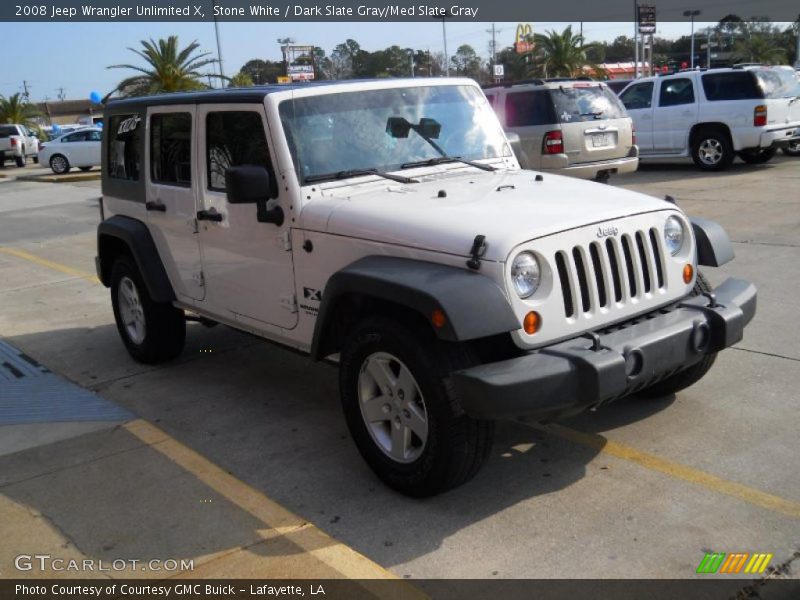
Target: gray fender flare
(714,247)
(135,235)
(473,304)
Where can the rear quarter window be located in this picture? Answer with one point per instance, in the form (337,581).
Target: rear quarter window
(124,146)
(526,109)
(731,86)
(7,131)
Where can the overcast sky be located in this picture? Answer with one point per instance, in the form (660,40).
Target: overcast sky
(75,55)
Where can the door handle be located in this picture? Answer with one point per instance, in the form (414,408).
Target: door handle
(209,215)
(159,206)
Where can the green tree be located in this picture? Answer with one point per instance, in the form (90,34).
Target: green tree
(167,68)
(241,79)
(466,62)
(263,71)
(561,54)
(16,110)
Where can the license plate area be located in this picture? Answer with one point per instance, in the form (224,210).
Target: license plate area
(601,140)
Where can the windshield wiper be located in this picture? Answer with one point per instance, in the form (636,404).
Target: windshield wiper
(358,173)
(438,160)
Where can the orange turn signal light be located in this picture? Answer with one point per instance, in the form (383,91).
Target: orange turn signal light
(438,319)
(532,322)
(688,273)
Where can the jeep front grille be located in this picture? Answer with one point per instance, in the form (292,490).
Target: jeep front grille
(615,271)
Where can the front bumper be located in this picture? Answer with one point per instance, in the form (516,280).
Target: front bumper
(581,373)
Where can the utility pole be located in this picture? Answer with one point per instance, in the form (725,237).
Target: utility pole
(692,14)
(635,39)
(219,45)
(446,55)
(494,33)
(27,92)
(61,95)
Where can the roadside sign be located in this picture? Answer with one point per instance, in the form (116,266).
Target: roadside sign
(646,16)
(499,71)
(523,41)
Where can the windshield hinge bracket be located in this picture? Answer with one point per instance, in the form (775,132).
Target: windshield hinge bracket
(477,252)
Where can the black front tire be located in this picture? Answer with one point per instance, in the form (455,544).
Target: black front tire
(691,375)
(36,160)
(707,143)
(164,325)
(758,156)
(84,169)
(21,160)
(59,164)
(456,445)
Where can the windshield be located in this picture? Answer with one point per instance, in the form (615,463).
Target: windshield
(586,103)
(778,82)
(350,131)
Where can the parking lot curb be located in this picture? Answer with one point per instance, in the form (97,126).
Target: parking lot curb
(95,176)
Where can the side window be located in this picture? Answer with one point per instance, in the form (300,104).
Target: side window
(525,109)
(95,136)
(233,138)
(171,149)
(676,91)
(731,86)
(638,96)
(124,147)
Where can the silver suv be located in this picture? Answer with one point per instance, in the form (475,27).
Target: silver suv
(572,127)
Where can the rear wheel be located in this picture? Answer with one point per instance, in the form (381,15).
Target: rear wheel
(84,169)
(36,160)
(691,375)
(757,156)
(792,149)
(402,411)
(59,164)
(712,149)
(153,332)
(21,160)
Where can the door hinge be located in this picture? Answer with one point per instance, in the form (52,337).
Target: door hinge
(289,302)
(286,239)
(199,279)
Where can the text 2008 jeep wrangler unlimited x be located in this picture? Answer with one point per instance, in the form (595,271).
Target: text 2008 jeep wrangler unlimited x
(388,224)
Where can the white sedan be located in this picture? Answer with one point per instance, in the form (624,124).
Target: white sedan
(76,149)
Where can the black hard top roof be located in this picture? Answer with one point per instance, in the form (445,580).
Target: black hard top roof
(255,93)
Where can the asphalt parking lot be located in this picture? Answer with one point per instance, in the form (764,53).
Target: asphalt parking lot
(639,489)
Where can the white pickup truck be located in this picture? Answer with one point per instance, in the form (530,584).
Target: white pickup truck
(714,115)
(17,143)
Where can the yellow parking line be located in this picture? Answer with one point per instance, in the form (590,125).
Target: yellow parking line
(316,543)
(656,463)
(49,264)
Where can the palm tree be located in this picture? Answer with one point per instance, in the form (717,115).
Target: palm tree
(759,49)
(168,69)
(561,54)
(241,79)
(16,110)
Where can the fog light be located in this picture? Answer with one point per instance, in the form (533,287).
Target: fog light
(532,322)
(688,273)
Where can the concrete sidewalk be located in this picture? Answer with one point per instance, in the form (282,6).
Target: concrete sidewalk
(96,484)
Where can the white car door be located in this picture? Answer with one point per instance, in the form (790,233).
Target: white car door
(675,115)
(638,101)
(247,264)
(171,201)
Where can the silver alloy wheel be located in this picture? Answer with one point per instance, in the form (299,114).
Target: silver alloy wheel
(58,164)
(710,151)
(392,407)
(130,310)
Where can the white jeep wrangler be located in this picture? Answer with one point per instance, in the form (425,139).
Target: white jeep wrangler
(387,226)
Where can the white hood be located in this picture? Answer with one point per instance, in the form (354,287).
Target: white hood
(508,207)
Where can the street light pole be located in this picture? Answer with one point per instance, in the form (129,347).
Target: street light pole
(446,55)
(219,46)
(692,14)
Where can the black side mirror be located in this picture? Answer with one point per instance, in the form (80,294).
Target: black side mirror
(397,127)
(429,128)
(249,184)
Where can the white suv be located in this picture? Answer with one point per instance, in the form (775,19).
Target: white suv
(713,115)
(387,226)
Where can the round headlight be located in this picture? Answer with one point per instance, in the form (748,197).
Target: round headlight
(525,274)
(673,235)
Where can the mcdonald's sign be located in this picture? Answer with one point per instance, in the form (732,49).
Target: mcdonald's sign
(735,562)
(523,42)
